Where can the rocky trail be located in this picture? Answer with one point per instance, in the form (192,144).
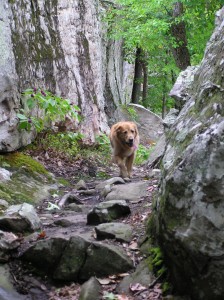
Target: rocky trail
(90,244)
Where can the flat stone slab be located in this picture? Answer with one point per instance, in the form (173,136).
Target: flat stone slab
(119,231)
(75,219)
(130,191)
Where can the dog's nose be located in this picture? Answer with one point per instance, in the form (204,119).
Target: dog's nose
(131,140)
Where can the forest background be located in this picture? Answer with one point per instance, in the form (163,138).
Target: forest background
(161,38)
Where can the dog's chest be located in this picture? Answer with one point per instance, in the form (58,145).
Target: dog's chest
(129,152)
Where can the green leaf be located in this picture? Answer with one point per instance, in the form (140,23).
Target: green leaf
(23,125)
(21,117)
(30,103)
(76,107)
(28,91)
(52,206)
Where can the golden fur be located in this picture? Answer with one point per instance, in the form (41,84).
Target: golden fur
(124,139)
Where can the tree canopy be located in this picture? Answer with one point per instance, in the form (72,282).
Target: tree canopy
(171,36)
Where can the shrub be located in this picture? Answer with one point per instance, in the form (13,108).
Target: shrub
(41,108)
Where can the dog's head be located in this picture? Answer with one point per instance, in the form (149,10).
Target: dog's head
(127,133)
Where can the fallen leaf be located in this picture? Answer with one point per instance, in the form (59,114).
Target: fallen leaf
(135,287)
(41,235)
(122,297)
(43,287)
(104,281)
(133,246)
(150,188)
(123,275)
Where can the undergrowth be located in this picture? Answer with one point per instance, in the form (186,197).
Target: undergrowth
(71,145)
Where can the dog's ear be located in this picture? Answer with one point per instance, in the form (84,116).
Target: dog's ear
(117,128)
(136,131)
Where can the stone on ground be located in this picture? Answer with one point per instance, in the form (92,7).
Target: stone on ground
(130,191)
(71,219)
(20,218)
(81,185)
(90,290)
(72,260)
(142,275)
(3,204)
(111,181)
(76,258)
(45,254)
(103,260)
(119,231)
(107,212)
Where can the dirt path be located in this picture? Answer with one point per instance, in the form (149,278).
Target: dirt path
(60,221)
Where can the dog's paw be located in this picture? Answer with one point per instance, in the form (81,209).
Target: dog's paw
(127,179)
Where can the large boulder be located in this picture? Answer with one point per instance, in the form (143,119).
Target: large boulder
(10,137)
(76,258)
(189,214)
(103,260)
(63,49)
(24,179)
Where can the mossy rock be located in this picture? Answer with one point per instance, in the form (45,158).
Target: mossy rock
(16,160)
(29,181)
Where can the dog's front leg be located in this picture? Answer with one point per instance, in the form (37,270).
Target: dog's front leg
(121,164)
(129,163)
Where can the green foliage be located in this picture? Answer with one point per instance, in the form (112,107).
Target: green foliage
(142,154)
(146,24)
(156,264)
(130,111)
(103,146)
(68,143)
(103,140)
(199,17)
(47,108)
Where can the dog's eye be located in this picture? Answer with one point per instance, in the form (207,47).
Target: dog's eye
(125,132)
(132,131)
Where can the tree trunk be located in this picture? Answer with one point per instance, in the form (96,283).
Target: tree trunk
(178,31)
(137,77)
(145,82)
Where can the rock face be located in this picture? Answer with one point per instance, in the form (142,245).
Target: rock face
(60,46)
(190,209)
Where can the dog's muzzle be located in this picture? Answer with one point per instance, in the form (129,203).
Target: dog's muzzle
(130,143)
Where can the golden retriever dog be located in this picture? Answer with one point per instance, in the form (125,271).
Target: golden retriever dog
(124,139)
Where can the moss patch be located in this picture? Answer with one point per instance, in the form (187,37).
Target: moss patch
(19,160)
(29,182)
